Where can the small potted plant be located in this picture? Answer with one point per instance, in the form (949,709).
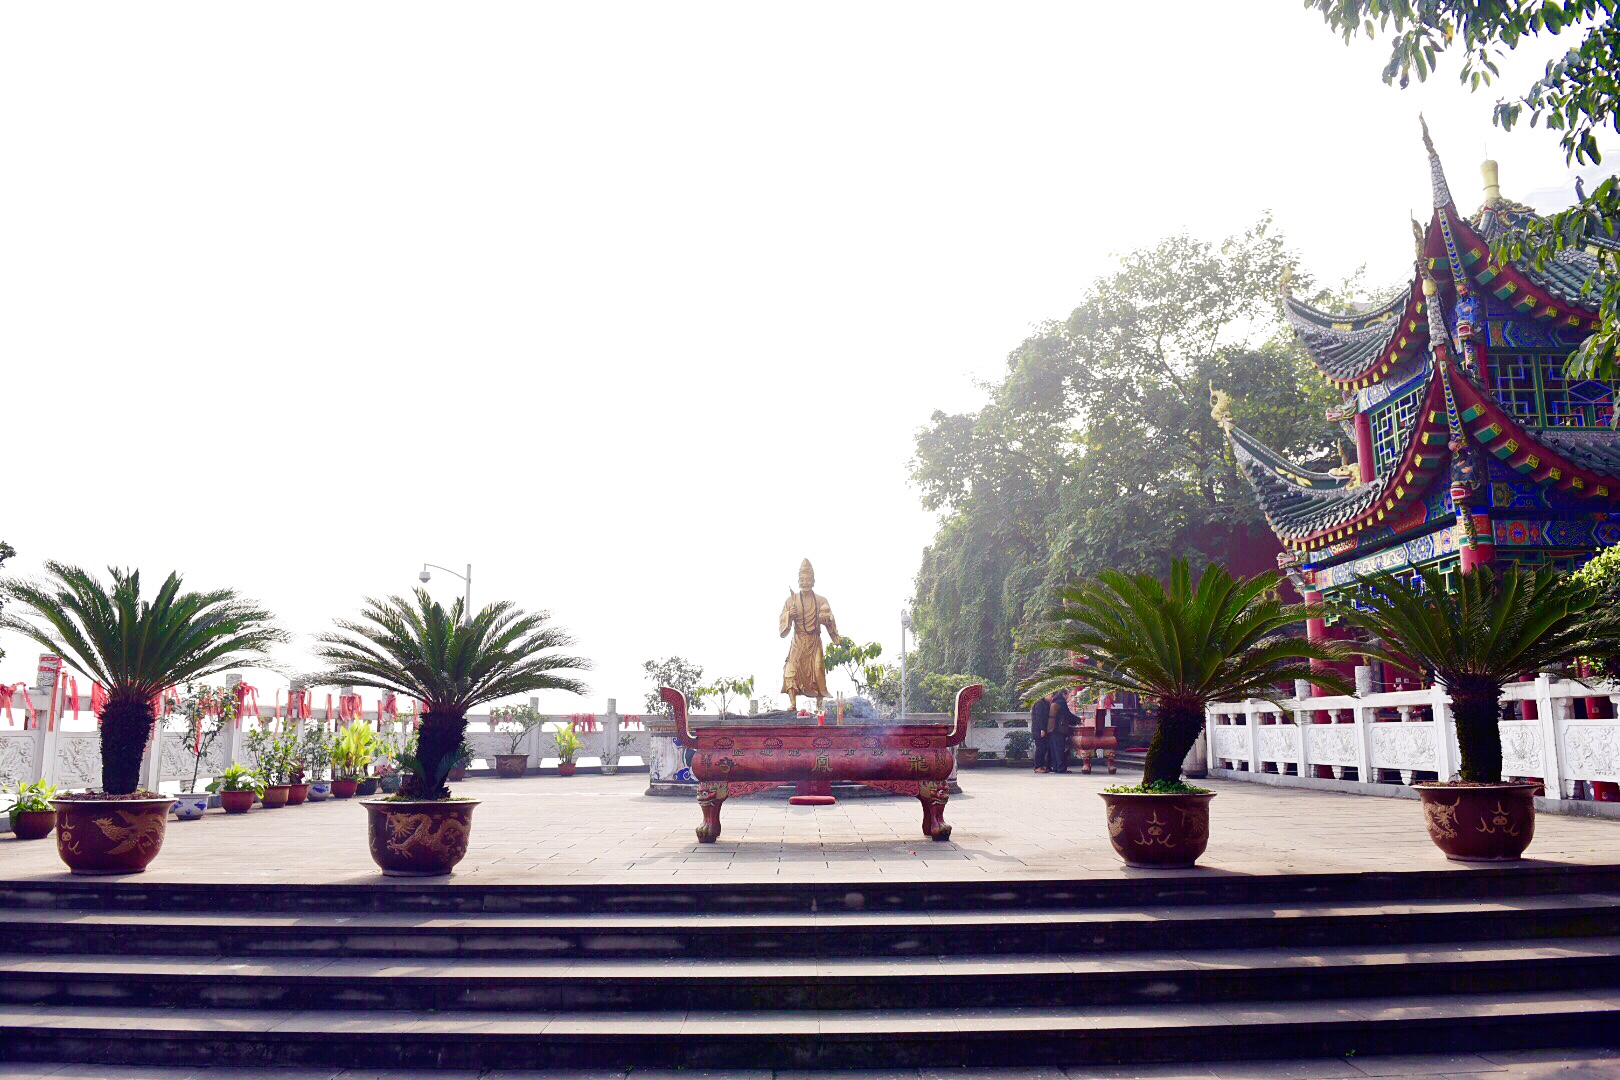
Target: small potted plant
(297,781)
(568,747)
(275,755)
(32,815)
(1019,744)
(515,722)
(206,711)
(610,765)
(388,778)
(237,786)
(352,752)
(316,750)
(461,762)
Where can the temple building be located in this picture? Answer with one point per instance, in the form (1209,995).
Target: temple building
(1471,445)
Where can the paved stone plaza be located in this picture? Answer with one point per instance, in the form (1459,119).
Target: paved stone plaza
(590,828)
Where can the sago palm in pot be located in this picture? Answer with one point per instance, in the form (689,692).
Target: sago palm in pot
(136,647)
(1181,645)
(1477,633)
(451,662)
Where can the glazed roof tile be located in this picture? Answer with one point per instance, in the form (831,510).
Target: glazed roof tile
(1344,346)
(1298,502)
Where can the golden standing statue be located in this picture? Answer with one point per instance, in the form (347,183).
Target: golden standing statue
(803,615)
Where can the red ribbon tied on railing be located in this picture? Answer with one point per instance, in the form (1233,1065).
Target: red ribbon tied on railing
(71,685)
(350,708)
(98,700)
(6,695)
(243,692)
(389,705)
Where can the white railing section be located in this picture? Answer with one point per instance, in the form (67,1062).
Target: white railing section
(1405,736)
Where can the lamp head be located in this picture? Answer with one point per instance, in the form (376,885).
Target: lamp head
(425,576)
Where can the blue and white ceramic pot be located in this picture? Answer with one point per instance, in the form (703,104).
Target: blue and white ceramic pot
(189,806)
(320,790)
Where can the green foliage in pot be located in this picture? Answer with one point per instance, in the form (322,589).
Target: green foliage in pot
(206,711)
(237,777)
(136,646)
(353,750)
(31,797)
(724,690)
(679,673)
(315,751)
(568,742)
(1019,744)
(276,754)
(514,722)
(1478,632)
(451,661)
(1181,645)
(464,756)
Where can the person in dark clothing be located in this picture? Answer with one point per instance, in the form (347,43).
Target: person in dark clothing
(1040,723)
(1061,723)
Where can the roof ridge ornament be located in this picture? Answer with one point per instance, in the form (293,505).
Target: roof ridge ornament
(1285,283)
(1437,175)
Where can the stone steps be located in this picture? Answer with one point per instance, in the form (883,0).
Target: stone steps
(841,934)
(799,1039)
(978,982)
(1142,968)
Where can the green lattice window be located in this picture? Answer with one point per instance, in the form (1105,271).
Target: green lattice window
(1389,423)
(1532,388)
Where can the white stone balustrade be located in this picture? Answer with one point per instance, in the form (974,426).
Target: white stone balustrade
(1415,738)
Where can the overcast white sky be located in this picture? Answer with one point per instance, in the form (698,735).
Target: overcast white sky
(632,306)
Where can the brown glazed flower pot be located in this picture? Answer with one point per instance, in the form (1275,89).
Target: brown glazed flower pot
(367,786)
(1158,830)
(456,776)
(296,794)
(110,836)
(344,789)
(566,768)
(967,757)
(33,824)
(276,795)
(236,802)
(418,838)
(511,766)
(1480,822)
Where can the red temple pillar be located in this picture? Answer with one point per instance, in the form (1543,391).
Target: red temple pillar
(1364,447)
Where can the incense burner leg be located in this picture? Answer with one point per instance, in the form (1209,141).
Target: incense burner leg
(1112,766)
(1085,761)
(710,796)
(933,795)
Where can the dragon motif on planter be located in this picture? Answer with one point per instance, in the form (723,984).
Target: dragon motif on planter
(408,832)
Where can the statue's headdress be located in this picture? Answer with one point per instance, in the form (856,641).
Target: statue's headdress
(807,571)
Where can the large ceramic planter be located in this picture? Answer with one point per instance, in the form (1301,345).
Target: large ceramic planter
(276,795)
(412,838)
(511,766)
(390,783)
(1158,830)
(368,786)
(296,794)
(566,768)
(33,824)
(1480,822)
(110,836)
(344,789)
(456,776)
(190,806)
(967,757)
(236,802)
(320,791)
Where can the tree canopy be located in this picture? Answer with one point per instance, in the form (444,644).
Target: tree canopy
(1578,95)
(1096,449)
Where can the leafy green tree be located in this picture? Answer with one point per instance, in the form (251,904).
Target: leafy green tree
(1482,632)
(1097,450)
(450,662)
(1182,646)
(724,690)
(679,673)
(858,662)
(136,646)
(1578,95)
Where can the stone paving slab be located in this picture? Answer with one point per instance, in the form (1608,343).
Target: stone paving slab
(1007,823)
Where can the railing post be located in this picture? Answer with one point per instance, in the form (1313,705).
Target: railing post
(1361,717)
(1549,719)
(45,736)
(610,736)
(1251,719)
(536,735)
(1443,737)
(1211,720)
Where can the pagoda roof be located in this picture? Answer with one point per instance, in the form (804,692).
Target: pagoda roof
(1570,275)
(1304,506)
(1353,348)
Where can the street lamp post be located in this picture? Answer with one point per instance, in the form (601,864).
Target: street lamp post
(466,602)
(905,624)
